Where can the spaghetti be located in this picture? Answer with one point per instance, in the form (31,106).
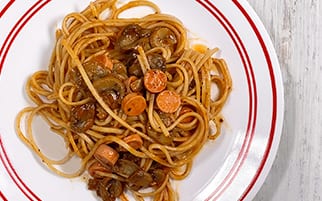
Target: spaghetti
(130,98)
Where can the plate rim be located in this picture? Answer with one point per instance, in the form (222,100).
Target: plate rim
(266,42)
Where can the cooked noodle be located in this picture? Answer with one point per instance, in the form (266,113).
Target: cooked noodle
(171,140)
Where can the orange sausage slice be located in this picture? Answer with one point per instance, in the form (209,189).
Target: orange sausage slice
(134,140)
(133,104)
(104,60)
(186,109)
(106,154)
(168,101)
(155,80)
(97,166)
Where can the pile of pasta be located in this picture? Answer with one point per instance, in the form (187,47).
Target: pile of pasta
(130,97)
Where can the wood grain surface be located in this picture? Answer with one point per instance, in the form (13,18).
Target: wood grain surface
(295,27)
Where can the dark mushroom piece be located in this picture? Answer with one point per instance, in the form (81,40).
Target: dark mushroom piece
(111,89)
(95,70)
(163,37)
(81,93)
(130,157)
(115,188)
(167,119)
(101,114)
(145,33)
(92,184)
(109,83)
(76,78)
(159,137)
(82,117)
(135,69)
(140,179)
(156,61)
(119,70)
(109,189)
(129,37)
(111,99)
(125,168)
(158,176)
(144,43)
(137,85)
(130,57)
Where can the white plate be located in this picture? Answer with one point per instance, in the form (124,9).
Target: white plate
(231,168)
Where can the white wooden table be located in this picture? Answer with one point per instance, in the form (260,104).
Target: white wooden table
(295,27)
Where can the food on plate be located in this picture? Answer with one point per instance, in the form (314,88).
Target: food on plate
(130,97)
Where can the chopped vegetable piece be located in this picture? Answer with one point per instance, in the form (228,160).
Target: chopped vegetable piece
(168,101)
(155,80)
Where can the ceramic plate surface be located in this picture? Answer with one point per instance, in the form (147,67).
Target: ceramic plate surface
(231,168)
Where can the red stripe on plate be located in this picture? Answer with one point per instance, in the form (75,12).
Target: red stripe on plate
(252,95)
(274,95)
(3,54)
(3,197)
(14,176)
(17,28)
(6,7)
(274,101)
(250,79)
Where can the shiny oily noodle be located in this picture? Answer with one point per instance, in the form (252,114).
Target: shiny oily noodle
(131,99)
